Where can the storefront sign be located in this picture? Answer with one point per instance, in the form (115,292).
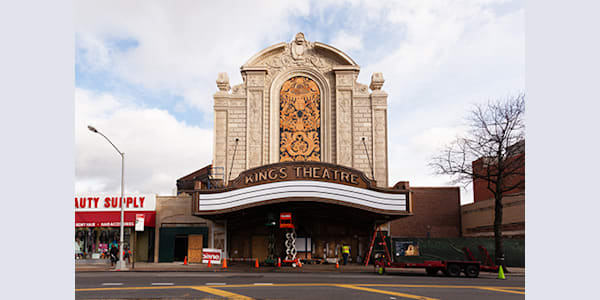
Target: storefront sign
(139,222)
(113,203)
(112,218)
(214,255)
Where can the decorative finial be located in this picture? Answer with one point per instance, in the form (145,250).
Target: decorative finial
(376,81)
(223,82)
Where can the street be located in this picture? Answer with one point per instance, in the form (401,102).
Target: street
(212,285)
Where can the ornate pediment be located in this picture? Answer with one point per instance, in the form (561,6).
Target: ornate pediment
(300,53)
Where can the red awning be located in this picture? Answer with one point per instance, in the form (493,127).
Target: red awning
(112,218)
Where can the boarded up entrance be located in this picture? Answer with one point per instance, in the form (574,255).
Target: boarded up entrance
(259,247)
(195,246)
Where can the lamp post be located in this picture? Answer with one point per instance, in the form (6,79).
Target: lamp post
(120,264)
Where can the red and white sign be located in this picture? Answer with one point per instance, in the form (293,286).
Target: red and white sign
(113,203)
(214,255)
(139,222)
(112,218)
(104,210)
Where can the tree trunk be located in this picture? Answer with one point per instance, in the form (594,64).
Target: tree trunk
(499,244)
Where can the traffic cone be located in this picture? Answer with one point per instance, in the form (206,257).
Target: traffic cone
(256,263)
(337,265)
(224,263)
(279,262)
(209,264)
(501,273)
(185,261)
(299,264)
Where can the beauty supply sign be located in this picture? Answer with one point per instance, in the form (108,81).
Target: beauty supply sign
(135,202)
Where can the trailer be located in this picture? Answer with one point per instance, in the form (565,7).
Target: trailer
(407,253)
(451,268)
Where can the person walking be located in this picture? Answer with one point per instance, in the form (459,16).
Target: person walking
(345,253)
(114,252)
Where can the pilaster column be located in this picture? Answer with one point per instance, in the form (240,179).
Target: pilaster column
(255,84)
(344,84)
(221,102)
(379,110)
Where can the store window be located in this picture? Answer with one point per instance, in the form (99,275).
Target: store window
(95,242)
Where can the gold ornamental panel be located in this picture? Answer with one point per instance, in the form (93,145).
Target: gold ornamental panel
(299,120)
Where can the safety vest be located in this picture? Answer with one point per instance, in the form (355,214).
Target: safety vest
(345,249)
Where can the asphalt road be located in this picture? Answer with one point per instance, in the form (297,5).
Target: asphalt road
(330,286)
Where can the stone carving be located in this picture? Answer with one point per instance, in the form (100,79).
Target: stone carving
(299,46)
(256,80)
(376,81)
(254,128)
(298,53)
(239,89)
(300,120)
(360,88)
(344,80)
(344,128)
(223,82)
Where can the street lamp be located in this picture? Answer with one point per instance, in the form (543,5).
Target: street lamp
(120,264)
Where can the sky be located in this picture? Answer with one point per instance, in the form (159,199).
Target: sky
(145,75)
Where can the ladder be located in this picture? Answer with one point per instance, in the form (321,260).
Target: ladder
(387,253)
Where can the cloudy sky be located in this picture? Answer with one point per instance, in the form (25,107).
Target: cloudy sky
(146,71)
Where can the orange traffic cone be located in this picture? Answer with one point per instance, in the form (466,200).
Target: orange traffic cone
(256,263)
(209,265)
(337,265)
(224,263)
(185,261)
(299,264)
(279,262)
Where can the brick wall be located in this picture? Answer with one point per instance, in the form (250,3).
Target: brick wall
(436,207)
(478,217)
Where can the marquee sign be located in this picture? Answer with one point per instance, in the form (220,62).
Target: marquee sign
(302,171)
(306,181)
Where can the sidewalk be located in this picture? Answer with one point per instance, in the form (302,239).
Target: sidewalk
(238,267)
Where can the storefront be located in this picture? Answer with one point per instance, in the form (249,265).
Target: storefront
(98,221)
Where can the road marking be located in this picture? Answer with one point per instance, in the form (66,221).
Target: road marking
(501,290)
(216,283)
(349,286)
(439,286)
(221,293)
(266,283)
(112,283)
(162,283)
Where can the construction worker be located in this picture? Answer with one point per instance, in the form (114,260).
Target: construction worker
(345,253)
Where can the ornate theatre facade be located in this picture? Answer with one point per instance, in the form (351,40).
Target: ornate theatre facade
(299,138)
(300,101)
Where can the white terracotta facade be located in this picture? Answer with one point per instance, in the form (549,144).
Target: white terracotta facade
(350,111)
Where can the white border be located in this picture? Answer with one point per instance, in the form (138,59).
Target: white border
(302,188)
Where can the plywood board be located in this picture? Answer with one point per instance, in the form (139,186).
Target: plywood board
(195,245)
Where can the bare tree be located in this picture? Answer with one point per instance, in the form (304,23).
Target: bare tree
(496,136)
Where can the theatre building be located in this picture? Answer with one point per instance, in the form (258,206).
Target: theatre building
(300,157)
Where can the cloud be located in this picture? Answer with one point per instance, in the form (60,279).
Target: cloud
(438,58)
(348,42)
(158,148)
(180,48)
